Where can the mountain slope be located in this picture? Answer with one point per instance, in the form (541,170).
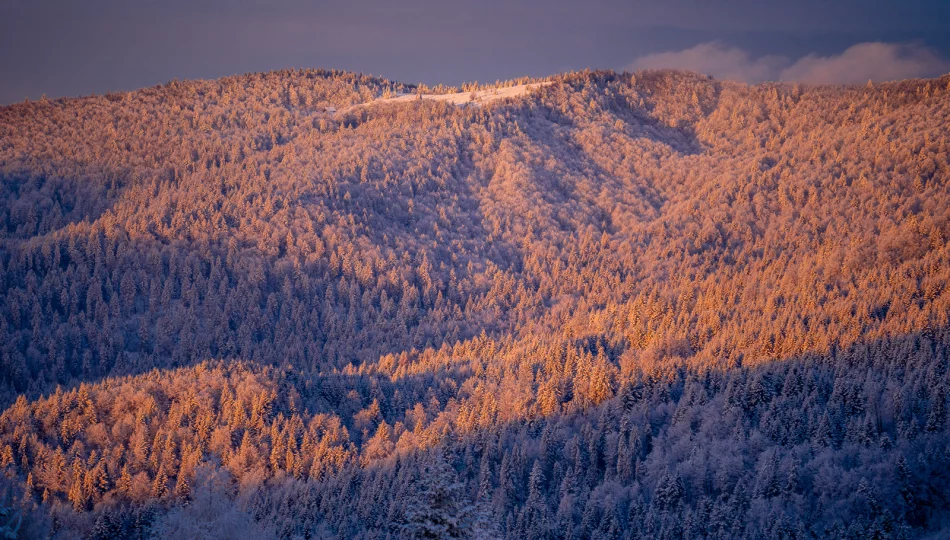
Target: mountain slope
(497,296)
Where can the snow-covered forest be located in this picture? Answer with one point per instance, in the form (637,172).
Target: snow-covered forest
(649,305)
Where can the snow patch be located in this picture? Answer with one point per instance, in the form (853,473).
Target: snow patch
(478,97)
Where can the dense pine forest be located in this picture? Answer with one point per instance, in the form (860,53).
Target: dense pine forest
(649,305)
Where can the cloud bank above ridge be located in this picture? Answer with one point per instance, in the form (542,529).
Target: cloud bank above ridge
(874,61)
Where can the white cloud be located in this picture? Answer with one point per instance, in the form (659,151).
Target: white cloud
(859,63)
(874,61)
(716,59)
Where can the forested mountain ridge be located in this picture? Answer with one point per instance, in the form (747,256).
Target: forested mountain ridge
(624,304)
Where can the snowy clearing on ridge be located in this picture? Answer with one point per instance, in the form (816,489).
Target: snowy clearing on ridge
(477,97)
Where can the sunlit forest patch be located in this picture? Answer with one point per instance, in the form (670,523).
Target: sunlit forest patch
(619,305)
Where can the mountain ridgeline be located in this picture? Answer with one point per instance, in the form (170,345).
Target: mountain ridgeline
(649,305)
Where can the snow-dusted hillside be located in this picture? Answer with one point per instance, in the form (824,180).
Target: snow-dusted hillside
(478,97)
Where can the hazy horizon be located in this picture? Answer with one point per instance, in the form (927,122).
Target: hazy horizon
(60,50)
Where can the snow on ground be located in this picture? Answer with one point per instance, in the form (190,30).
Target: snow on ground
(478,97)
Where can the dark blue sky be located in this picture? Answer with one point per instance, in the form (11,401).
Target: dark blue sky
(70,47)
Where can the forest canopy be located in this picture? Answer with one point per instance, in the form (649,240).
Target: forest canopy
(622,305)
